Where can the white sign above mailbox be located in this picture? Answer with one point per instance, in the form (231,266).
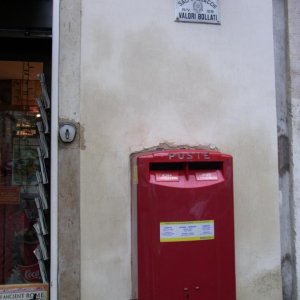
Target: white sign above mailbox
(198,11)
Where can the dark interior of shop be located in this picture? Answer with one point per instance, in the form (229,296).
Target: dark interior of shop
(25,88)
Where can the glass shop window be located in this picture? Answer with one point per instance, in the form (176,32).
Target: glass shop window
(24,172)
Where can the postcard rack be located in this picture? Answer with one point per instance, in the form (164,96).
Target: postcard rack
(42,200)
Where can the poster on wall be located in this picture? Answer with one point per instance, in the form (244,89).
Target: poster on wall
(198,11)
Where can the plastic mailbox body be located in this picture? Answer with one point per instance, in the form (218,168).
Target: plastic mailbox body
(182,225)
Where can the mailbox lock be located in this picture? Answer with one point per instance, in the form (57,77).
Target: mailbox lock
(67,132)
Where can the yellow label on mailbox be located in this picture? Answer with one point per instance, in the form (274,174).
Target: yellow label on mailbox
(187,231)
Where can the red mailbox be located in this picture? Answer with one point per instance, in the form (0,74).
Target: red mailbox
(182,225)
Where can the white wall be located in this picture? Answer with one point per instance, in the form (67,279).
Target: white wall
(146,79)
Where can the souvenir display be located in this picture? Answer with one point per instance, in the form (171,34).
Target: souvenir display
(24,169)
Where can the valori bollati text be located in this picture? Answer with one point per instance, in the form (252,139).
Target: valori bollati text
(193,16)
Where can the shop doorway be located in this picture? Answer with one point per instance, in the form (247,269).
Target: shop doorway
(25,147)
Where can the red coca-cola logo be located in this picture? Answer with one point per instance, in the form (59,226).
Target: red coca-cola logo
(30,273)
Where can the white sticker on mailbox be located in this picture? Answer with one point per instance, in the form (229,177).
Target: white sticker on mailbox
(187,231)
(207,176)
(174,176)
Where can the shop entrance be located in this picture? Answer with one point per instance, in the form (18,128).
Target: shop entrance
(25,152)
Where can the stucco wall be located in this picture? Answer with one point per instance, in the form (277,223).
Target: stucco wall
(288,267)
(146,79)
(293,8)
(69,154)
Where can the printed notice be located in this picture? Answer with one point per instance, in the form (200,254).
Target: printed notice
(36,291)
(187,231)
(198,11)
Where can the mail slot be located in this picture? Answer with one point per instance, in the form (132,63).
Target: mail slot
(182,225)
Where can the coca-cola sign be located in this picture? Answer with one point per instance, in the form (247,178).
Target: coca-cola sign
(30,273)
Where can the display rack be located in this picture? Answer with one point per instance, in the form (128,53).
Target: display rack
(42,200)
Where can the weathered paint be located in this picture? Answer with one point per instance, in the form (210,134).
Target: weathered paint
(69,155)
(293,30)
(146,79)
(284,150)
